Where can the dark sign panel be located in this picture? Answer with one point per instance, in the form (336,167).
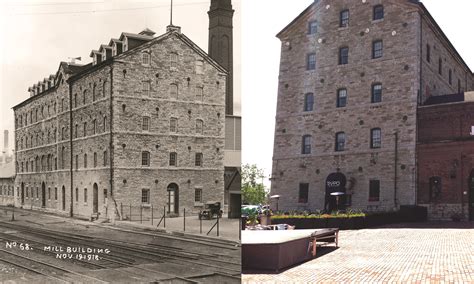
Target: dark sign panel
(335,182)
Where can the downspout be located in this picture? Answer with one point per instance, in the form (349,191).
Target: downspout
(111,142)
(71,210)
(419,102)
(395,202)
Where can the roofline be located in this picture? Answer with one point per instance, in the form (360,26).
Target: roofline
(32,98)
(445,104)
(430,17)
(295,19)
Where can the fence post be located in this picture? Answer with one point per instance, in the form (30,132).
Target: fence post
(184,219)
(240,228)
(141,214)
(200,225)
(130,212)
(218,225)
(121,210)
(152,215)
(13,214)
(164,216)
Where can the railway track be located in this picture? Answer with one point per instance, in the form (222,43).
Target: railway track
(125,254)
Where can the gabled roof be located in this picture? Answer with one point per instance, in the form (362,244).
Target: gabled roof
(135,36)
(112,40)
(296,19)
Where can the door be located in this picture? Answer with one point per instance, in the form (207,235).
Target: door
(173,198)
(64,198)
(95,199)
(471,196)
(22,193)
(43,195)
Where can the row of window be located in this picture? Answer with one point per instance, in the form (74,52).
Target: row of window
(174,57)
(173,159)
(440,68)
(343,58)
(6,190)
(377,14)
(374,191)
(341,99)
(340,141)
(104,160)
(95,95)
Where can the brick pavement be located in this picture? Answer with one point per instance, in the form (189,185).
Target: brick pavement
(429,253)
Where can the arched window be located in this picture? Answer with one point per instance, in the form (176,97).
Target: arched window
(84,97)
(85,161)
(95,159)
(306,144)
(93,92)
(199,126)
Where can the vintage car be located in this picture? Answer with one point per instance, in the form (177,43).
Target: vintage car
(211,209)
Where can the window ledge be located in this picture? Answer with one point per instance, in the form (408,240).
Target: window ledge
(342,28)
(198,204)
(377,21)
(146,205)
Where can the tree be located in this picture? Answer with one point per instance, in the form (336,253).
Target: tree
(253,190)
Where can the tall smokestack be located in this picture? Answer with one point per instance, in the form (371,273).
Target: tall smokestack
(220,43)
(5,140)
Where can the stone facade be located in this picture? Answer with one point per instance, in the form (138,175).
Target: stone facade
(390,168)
(119,115)
(446,157)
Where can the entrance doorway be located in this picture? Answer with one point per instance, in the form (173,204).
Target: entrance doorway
(95,199)
(173,198)
(335,198)
(63,193)
(43,195)
(22,193)
(471,196)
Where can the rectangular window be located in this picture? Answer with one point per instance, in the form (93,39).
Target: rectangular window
(306,145)
(303,193)
(55,193)
(145,196)
(343,55)
(374,190)
(77,194)
(95,160)
(378,12)
(311,61)
(173,60)
(428,53)
(308,102)
(146,88)
(199,94)
(312,27)
(344,18)
(77,162)
(377,49)
(85,160)
(199,126)
(85,195)
(145,158)
(105,158)
(146,123)
(375,138)
(94,127)
(440,66)
(199,67)
(85,129)
(341,98)
(198,195)
(376,93)
(450,77)
(49,193)
(173,159)
(145,58)
(173,125)
(340,141)
(198,160)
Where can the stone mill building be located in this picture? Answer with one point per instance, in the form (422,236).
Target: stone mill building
(353,77)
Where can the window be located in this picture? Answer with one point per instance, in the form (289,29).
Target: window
(378,12)
(198,195)
(105,124)
(146,88)
(440,66)
(303,193)
(145,58)
(341,98)
(62,104)
(105,158)
(343,55)
(375,138)
(306,144)
(311,61)
(93,92)
(84,97)
(85,160)
(145,158)
(173,125)
(428,53)
(377,49)
(76,130)
(94,126)
(199,94)
(77,194)
(450,76)
(85,195)
(198,160)
(95,159)
(55,193)
(312,27)
(308,102)
(199,67)
(104,88)
(340,141)
(173,60)
(145,196)
(199,126)
(174,91)
(173,159)
(146,123)
(374,190)
(62,135)
(77,162)
(85,129)
(376,93)
(49,193)
(344,18)
(75,100)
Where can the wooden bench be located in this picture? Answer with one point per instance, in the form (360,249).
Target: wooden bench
(324,237)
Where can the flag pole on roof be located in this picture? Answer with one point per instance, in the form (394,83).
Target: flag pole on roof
(171,14)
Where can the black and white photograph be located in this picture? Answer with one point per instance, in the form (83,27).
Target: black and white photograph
(121,134)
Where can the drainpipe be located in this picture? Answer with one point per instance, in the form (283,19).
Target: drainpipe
(111,144)
(71,210)
(395,202)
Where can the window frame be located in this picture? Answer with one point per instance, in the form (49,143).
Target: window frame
(374,190)
(146,58)
(312,27)
(428,53)
(173,161)
(376,93)
(306,144)
(340,146)
(174,125)
(145,123)
(344,20)
(378,14)
(377,52)
(308,102)
(146,196)
(311,61)
(198,159)
(341,99)
(303,193)
(376,140)
(146,159)
(196,191)
(343,55)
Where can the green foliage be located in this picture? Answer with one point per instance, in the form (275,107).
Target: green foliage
(253,190)
(321,216)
